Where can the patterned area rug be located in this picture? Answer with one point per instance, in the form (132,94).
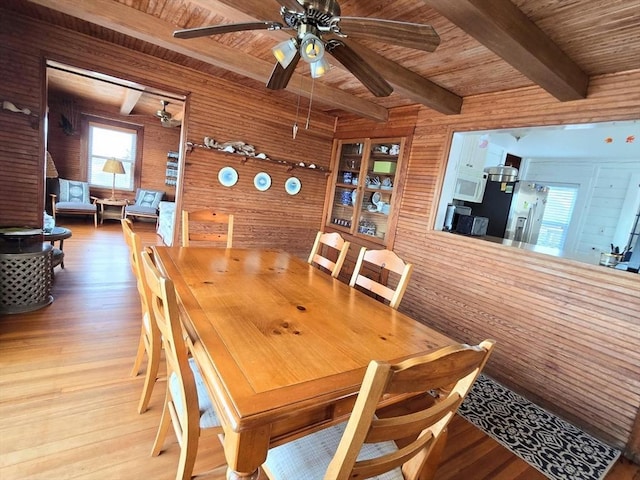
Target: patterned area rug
(554,447)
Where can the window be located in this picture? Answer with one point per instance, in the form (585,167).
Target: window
(107,141)
(557,216)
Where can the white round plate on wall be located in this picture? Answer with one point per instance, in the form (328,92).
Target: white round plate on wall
(292,185)
(228,176)
(262,181)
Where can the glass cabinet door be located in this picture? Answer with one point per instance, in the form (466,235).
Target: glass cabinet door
(345,196)
(363,187)
(378,188)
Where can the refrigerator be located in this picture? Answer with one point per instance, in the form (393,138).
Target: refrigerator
(514,209)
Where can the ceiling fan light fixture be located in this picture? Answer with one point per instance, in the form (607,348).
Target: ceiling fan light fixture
(311,48)
(319,68)
(285,52)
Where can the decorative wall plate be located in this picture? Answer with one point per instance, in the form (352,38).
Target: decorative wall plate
(262,181)
(292,185)
(228,176)
(375,198)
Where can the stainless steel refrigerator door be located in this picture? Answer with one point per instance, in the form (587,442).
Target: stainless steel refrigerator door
(526,212)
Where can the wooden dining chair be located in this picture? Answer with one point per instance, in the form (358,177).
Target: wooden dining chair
(365,446)
(187,404)
(150,341)
(383,260)
(331,242)
(207,226)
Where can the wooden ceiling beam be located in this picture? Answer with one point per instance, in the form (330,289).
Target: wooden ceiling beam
(129,101)
(136,24)
(409,84)
(501,27)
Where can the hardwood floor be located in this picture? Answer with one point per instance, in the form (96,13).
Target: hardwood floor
(68,404)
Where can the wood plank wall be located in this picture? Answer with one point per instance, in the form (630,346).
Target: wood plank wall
(216,108)
(567,333)
(21,152)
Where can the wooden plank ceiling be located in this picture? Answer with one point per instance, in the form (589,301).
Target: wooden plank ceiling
(485,46)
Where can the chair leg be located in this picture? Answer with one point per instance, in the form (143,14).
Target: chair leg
(139,356)
(153,364)
(188,453)
(165,421)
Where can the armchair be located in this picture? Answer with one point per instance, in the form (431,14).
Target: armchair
(146,204)
(74,199)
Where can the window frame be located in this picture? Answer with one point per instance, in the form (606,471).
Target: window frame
(87,122)
(566,227)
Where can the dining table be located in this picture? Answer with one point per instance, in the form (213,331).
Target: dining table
(282,346)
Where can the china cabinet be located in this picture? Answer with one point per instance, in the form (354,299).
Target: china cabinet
(364,189)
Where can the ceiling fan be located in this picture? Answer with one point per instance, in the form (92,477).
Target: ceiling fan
(165,117)
(320,28)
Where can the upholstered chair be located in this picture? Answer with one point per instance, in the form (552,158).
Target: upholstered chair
(74,199)
(146,204)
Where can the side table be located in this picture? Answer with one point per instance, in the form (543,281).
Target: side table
(57,233)
(111,208)
(25,277)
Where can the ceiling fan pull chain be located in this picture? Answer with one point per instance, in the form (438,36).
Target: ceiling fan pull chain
(295,123)
(313,82)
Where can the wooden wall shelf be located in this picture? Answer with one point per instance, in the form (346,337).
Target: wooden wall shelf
(245,158)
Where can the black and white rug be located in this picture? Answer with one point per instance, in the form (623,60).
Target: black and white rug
(554,447)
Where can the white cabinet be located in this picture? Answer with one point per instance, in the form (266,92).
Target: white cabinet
(473,156)
(470,178)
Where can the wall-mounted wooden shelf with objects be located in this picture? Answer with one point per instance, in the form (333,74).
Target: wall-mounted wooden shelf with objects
(243,158)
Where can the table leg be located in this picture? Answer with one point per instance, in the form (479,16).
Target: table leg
(62,262)
(245,452)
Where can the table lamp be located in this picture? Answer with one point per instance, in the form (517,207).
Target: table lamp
(113,166)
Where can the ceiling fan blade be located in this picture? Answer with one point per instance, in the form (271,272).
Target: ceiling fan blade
(280,76)
(225,28)
(292,5)
(403,34)
(360,69)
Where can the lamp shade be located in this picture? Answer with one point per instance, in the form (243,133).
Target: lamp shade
(113,166)
(51,170)
(311,48)
(319,68)
(285,52)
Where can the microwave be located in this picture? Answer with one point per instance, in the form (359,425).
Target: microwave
(470,188)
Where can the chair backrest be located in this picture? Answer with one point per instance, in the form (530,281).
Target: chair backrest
(450,371)
(73,191)
(386,260)
(148,198)
(164,305)
(332,241)
(207,226)
(135,250)
(128,233)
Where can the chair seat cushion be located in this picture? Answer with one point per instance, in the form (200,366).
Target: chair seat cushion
(309,456)
(208,416)
(139,210)
(75,207)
